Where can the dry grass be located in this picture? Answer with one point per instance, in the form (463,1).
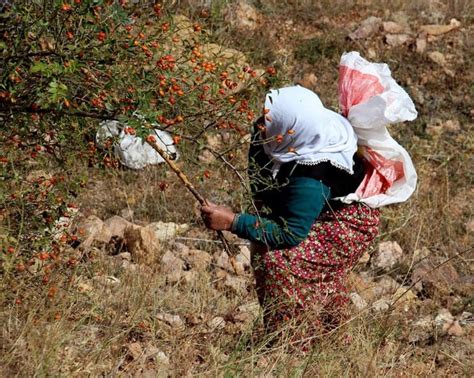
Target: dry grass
(88,328)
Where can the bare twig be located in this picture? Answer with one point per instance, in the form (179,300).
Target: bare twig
(25,109)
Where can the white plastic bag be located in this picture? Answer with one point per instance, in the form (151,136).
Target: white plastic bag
(131,150)
(371,99)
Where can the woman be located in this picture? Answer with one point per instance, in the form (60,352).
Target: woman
(305,242)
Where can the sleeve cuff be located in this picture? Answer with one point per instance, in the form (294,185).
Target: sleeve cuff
(233,227)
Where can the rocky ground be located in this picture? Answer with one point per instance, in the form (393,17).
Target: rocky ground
(157,295)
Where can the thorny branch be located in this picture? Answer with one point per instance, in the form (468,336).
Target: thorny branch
(188,184)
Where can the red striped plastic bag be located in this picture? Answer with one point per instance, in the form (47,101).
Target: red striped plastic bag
(371,100)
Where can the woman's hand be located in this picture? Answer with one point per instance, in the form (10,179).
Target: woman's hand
(216,217)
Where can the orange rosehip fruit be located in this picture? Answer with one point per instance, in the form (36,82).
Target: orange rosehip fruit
(151,139)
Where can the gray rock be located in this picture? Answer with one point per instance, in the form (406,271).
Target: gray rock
(388,255)
(367,27)
(394,27)
(385,286)
(244,257)
(438,58)
(358,302)
(174,321)
(453,328)
(422,330)
(197,259)
(395,40)
(381,305)
(238,284)
(436,278)
(117,226)
(167,230)
(421,44)
(172,267)
(242,15)
(444,316)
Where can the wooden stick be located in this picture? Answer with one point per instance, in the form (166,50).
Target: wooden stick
(194,192)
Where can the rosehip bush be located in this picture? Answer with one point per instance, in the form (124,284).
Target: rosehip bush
(67,65)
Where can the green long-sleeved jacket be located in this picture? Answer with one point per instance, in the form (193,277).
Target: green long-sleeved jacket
(294,208)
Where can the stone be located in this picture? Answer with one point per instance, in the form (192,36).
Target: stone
(420,254)
(172,267)
(197,259)
(421,330)
(127,265)
(440,29)
(393,27)
(436,278)
(437,57)
(135,350)
(363,284)
(244,256)
(180,249)
(214,141)
(444,316)
(174,321)
(242,16)
(157,355)
(143,244)
(127,214)
(167,230)
(190,276)
(206,157)
(420,45)
(388,255)
(367,27)
(237,267)
(238,284)
(453,328)
(404,295)
(117,225)
(371,53)
(90,229)
(125,256)
(217,322)
(401,18)
(220,54)
(247,312)
(452,125)
(184,29)
(222,260)
(381,305)
(395,40)
(84,287)
(385,286)
(358,302)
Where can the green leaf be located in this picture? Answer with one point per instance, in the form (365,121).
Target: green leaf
(38,67)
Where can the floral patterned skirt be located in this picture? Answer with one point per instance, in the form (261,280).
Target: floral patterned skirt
(312,276)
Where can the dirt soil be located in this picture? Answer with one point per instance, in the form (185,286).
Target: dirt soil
(148,305)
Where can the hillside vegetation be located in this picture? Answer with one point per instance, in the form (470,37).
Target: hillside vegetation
(107,270)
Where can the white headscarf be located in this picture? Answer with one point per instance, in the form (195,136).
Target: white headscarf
(299,128)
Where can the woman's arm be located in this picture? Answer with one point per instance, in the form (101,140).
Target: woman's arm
(302,201)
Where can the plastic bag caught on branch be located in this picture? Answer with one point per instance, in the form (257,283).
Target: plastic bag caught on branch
(371,99)
(130,149)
